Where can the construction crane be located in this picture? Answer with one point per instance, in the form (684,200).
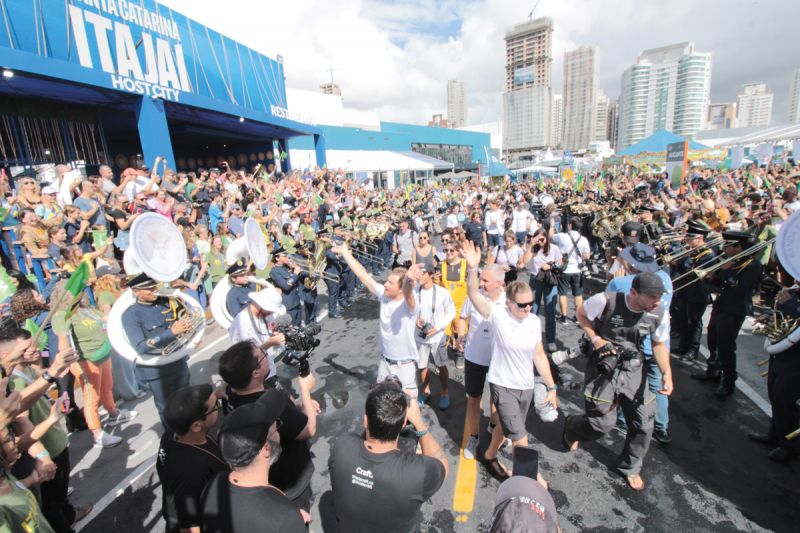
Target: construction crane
(530,15)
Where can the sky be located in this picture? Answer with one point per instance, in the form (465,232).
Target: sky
(392,59)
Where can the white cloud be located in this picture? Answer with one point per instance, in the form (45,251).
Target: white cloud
(392,59)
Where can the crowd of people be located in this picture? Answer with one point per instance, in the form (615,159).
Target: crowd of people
(469,270)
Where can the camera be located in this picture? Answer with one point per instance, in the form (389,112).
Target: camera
(424,330)
(300,342)
(610,357)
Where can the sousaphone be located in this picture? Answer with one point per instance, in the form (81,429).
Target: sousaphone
(157,248)
(252,246)
(787,248)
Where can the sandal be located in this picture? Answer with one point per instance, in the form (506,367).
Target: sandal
(495,468)
(631,479)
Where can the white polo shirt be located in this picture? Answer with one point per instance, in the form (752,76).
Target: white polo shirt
(397,328)
(478,346)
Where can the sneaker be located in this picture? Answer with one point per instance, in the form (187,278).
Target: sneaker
(123,415)
(334,315)
(662,436)
(106,441)
(471,451)
(506,443)
(422,398)
(444,403)
(141,394)
(562,319)
(82,512)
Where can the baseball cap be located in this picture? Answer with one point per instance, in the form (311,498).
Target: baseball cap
(648,283)
(523,505)
(641,257)
(427,267)
(631,231)
(251,422)
(49,190)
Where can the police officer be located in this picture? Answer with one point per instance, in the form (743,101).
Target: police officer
(737,282)
(151,324)
(334,266)
(237,297)
(615,324)
(652,231)
(689,306)
(308,294)
(288,277)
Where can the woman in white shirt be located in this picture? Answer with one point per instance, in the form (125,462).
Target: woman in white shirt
(540,257)
(508,255)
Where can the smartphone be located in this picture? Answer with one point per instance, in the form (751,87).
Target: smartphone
(65,407)
(526,462)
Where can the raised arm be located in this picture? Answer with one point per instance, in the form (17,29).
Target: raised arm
(357,268)
(473,257)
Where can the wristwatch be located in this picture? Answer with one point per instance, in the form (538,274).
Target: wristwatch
(554,387)
(47,377)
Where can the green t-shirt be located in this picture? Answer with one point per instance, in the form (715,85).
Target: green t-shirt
(55,440)
(308,232)
(289,244)
(346,222)
(19,512)
(216,265)
(189,188)
(89,331)
(105,298)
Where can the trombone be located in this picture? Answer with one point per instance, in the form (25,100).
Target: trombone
(669,258)
(305,265)
(702,273)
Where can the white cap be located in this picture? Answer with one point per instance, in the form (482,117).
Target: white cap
(269,300)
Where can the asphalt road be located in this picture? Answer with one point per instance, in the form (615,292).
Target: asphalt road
(710,478)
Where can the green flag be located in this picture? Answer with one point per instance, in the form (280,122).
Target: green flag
(8,285)
(78,280)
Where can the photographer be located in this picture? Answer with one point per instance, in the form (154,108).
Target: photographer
(542,258)
(243,367)
(616,324)
(256,323)
(575,252)
(377,487)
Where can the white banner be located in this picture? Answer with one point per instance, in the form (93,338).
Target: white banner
(765,153)
(737,154)
(796,151)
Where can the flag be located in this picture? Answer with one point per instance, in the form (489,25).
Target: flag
(283,155)
(76,284)
(579,183)
(8,285)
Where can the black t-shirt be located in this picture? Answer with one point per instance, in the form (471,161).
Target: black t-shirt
(184,471)
(380,491)
(292,472)
(228,508)
(73,228)
(474,232)
(115,214)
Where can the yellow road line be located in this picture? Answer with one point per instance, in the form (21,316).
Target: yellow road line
(466,477)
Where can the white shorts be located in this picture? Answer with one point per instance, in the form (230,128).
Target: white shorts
(437,352)
(406,372)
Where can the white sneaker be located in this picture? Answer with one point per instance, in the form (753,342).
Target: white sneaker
(123,415)
(506,440)
(106,441)
(471,451)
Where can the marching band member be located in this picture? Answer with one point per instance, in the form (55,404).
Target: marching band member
(238,296)
(287,277)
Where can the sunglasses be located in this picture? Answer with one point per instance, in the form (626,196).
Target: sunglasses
(26,182)
(523,305)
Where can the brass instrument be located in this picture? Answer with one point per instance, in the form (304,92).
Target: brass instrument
(197,319)
(671,258)
(316,264)
(703,273)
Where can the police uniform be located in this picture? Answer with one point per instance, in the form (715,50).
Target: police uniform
(237,297)
(334,266)
(148,329)
(308,296)
(287,281)
(737,283)
(689,305)
(625,386)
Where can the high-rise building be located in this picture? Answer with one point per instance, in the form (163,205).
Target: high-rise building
(668,88)
(721,115)
(528,89)
(580,97)
(753,105)
(456,104)
(331,88)
(794,98)
(601,108)
(612,131)
(557,121)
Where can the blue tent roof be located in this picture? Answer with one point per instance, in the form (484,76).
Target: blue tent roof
(658,142)
(497,168)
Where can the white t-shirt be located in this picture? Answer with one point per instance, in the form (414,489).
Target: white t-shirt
(494,222)
(540,258)
(397,327)
(443,313)
(507,256)
(594,308)
(452,221)
(513,345)
(564,242)
(135,187)
(519,220)
(792,207)
(478,346)
(245,327)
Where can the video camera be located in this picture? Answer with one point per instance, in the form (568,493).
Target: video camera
(300,342)
(609,357)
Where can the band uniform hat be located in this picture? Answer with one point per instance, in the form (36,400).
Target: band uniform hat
(737,237)
(641,257)
(697,227)
(523,505)
(631,232)
(648,283)
(269,300)
(250,422)
(238,268)
(142,281)
(280,250)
